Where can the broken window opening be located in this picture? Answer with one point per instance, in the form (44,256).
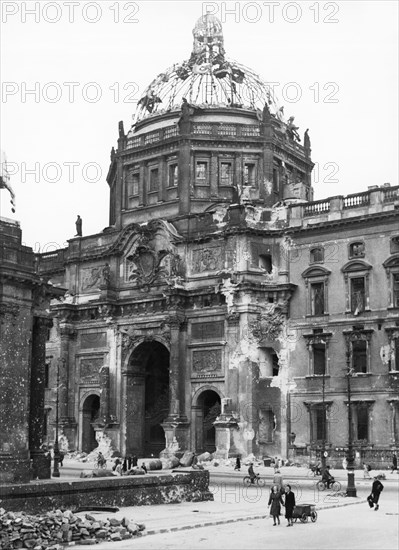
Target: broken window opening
(359,356)
(358,295)
(201,173)
(226,173)
(317,298)
(319,359)
(275,364)
(265,262)
(249,174)
(173,175)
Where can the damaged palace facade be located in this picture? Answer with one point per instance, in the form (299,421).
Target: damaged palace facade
(222,307)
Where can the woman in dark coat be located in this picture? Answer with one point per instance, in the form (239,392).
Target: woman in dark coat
(289,505)
(275,500)
(238,464)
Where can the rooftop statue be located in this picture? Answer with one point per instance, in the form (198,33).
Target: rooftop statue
(306,139)
(292,129)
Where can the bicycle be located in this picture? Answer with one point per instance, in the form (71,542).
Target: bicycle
(314,470)
(334,485)
(101,463)
(257,481)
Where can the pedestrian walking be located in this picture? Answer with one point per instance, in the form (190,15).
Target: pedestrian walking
(275,502)
(289,503)
(394,463)
(366,471)
(238,464)
(129,462)
(61,459)
(344,463)
(134,460)
(278,480)
(276,464)
(374,497)
(124,466)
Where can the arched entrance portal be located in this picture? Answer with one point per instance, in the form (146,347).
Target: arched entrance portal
(91,410)
(208,409)
(147,399)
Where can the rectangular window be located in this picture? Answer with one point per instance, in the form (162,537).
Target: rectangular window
(395,284)
(362,422)
(201,173)
(154,179)
(173,175)
(319,424)
(319,358)
(317,298)
(249,174)
(316,255)
(226,173)
(359,356)
(394,357)
(133,185)
(358,295)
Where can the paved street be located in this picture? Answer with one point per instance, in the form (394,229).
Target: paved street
(238,517)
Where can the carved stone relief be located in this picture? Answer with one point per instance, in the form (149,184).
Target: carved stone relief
(90,370)
(207,360)
(207,259)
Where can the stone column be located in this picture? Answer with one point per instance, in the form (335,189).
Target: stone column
(174,375)
(134,412)
(15,326)
(66,334)
(176,425)
(105,394)
(41,467)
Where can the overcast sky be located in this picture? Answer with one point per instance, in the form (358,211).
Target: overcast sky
(335,64)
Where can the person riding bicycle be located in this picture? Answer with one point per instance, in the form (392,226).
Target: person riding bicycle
(327,477)
(101,461)
(251,472)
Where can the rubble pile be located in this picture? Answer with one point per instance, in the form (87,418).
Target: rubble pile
(54,529)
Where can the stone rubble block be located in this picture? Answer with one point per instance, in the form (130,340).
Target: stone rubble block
(51,531)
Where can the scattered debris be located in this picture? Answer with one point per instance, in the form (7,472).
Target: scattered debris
(54,529)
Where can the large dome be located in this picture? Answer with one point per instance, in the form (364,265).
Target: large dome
(208,78)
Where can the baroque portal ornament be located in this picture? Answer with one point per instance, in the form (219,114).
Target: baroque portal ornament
(146,268)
